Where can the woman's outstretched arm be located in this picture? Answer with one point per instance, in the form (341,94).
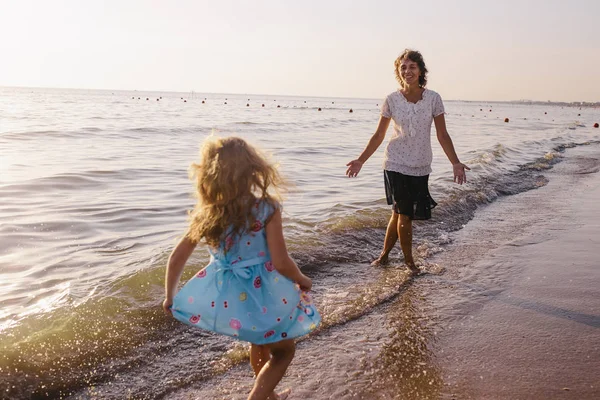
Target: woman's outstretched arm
(445,140)
(354,166)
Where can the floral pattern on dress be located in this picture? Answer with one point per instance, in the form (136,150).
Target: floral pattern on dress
(243,294)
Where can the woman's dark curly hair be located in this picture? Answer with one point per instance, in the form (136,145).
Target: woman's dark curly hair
(415,56)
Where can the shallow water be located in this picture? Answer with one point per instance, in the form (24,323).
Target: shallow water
(95,192)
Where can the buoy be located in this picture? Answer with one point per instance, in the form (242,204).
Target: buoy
(263,105)
(247,105)
(350,110)
(481,109)
(545,113)
(596,125)
(225,103)
(490,110)
(157,99)
(333,102)
(147,98)
(133,98)
(579,115)
(185,101)
(278,106)
(506,119)
(319,109)
(202,101)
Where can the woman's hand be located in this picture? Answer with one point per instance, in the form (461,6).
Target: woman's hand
(304,282)
(460,175)
(166,305)
(354,167)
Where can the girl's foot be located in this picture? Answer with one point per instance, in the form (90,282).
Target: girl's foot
(381,261)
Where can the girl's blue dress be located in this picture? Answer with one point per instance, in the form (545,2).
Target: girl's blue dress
(241,294)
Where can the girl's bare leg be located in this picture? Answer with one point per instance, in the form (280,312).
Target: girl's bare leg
(405,234)
(272,372)
(259,355)
(391,237)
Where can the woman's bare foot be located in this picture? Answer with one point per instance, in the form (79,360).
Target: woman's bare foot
(380,262)
(281,395)
(414,270)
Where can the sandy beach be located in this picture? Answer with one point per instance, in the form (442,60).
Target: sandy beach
(512,317)
(536,333)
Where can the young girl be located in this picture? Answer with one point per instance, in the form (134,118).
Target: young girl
(251,289)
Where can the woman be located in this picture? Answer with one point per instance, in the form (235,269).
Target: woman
(408,155)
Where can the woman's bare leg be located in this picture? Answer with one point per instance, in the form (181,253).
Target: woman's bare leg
(405,234)
(269,376)
(391,237)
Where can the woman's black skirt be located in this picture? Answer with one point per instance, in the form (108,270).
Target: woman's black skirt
(409,194)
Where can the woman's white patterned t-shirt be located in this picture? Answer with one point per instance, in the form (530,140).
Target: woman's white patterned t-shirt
(409,149)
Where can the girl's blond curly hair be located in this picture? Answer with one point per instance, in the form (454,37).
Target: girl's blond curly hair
(230,178)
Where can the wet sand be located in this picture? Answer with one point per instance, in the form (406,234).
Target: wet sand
(515,315)
(534,331)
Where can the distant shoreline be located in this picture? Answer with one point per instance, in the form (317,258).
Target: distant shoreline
(586,104)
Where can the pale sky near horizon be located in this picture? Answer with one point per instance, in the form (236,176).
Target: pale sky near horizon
(474,49)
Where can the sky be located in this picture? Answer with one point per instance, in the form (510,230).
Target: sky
(474,49)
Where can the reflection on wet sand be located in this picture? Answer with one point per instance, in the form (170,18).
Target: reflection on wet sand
(405,368)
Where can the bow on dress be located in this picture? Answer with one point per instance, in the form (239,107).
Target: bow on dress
(235,269)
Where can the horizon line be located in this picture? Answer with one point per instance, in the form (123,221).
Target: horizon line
(288,95)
